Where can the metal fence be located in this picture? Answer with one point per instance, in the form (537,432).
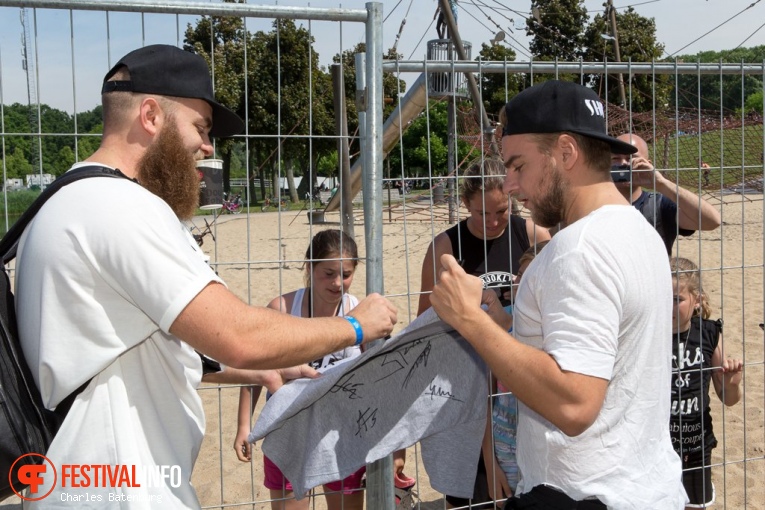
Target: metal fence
(260,255)
(151,22)
(701,136)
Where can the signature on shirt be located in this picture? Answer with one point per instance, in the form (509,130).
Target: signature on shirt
(348,387)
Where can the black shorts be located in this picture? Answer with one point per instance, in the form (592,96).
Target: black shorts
(543,497)
(699,487)
(481,499)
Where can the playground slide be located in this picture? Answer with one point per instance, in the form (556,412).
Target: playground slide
(411,105)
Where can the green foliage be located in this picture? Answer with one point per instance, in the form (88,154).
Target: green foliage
(20,200)
(27,152)
(430,158)
(17,165)
(238,157)
(65,160)
(294,94)
(423,154)
(87,145)
(712,87)
(637,43)
(286,91)
(225,35)
(91,121)
(392,86)
(498,88)
(754,102)
(327,165)
(558,33)
(17,202)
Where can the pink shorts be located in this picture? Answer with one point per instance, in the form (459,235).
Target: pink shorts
(275,480)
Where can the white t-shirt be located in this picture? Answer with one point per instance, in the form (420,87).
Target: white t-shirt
(103,271)
(598,299)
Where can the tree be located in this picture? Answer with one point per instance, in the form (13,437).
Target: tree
(42,150)
(754,103)
(327,165)
(220,40)
(425,144)
(16,164)
(87,145)
(54,121)
(91,121)
(498,88)
(293,95)
(637,42)
(392,86)
(557,31)
(17,121)
(731,87)
(54,154)
(65,160)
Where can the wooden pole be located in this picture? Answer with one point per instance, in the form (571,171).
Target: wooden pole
(341,127)
(612,12)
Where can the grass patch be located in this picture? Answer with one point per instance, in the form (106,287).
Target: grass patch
(14,204)
(734,155)
(19,201)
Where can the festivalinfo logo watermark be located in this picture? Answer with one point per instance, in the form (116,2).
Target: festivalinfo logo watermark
(33,477)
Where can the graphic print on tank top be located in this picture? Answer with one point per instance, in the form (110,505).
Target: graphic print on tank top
(690,422)
(500,281)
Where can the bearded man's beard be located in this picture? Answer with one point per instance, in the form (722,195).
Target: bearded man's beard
(549,210)
(168,170)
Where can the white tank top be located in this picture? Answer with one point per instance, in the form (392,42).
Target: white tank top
(348,303)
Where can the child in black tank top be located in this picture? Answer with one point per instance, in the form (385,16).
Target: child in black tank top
(697,358)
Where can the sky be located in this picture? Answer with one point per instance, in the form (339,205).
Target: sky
(74,49)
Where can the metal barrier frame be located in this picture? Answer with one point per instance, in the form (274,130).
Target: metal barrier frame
(379,474)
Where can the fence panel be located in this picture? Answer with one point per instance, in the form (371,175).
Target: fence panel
(699,135)
(50,123)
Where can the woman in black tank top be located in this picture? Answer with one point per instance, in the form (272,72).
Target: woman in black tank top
(488,243)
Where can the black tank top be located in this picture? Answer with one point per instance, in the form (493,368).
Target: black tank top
(495,261)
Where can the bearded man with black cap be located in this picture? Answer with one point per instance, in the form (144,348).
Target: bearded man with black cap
(112,306)
(585,355)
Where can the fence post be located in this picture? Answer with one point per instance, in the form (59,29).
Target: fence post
(380,494)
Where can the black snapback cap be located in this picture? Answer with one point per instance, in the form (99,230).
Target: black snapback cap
(170,71)
(555,106)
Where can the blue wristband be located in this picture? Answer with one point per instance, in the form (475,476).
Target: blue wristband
(357,327)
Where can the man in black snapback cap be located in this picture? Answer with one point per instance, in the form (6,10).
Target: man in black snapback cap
(118,297)
(586,354)
(169,71)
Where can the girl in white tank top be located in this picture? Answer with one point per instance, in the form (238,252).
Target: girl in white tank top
(331,262)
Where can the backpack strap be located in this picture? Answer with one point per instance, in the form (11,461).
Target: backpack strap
(10,240)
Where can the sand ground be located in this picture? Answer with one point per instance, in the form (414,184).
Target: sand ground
(260,256)
(732,259)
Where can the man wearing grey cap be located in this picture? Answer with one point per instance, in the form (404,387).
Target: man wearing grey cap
(112,305)
(585,355)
